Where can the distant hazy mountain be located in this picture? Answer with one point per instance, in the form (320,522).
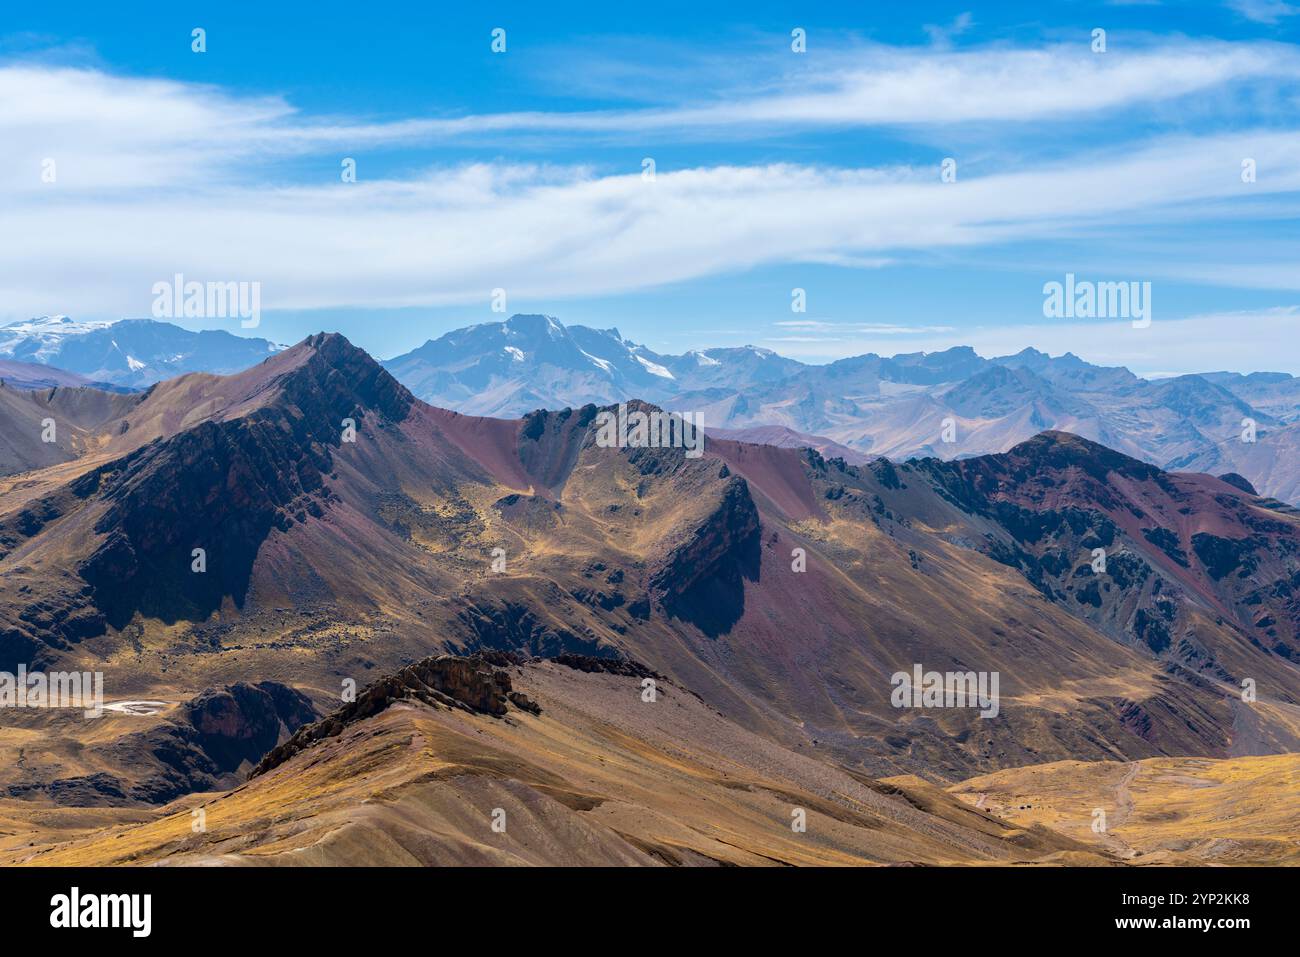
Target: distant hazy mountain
(535,362)
(530,362)
(131,352)
(875,405)
(34,375)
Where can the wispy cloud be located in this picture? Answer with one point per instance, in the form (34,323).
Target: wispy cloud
(113,131)
(455,234)
(884,86)
(1264,11)
(156,177)
(943,35)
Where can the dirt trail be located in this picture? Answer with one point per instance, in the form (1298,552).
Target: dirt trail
(1123,811)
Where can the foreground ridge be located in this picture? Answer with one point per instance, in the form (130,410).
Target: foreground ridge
(475,684)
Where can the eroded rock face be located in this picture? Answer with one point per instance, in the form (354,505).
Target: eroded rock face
(607,666)
(474,683)
(225,485)
(241,722)
(1177,550)
(496,622)
(702,580)
(549,443)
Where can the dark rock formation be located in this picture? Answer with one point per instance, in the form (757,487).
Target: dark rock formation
(241,722)
(1221,556)
(496,623)
(474,684)
(607,666)
(702,580)
(1238,481)
(549,443)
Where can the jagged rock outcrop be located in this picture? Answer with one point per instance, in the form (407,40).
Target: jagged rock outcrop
(549,443)
(607,666)
(493,622)
(475,684)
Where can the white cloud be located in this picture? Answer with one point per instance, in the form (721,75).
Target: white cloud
(157,177)
(454,235)
(1264,11)
(876,86)
(108,131)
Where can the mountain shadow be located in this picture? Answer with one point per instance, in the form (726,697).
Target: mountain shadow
(703,580)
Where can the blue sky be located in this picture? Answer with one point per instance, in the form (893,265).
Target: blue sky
(774,170)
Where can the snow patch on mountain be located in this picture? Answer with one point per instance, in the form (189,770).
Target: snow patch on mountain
(40,338)
(653,368)
(131,353)
(604,364)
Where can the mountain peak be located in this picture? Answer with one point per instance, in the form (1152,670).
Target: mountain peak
(1055,449)
(535,324)
(1028,353)
(331,340)
(344,372)
(129,352)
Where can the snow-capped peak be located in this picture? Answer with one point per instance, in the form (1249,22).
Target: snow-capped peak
(40,337)
(59,325)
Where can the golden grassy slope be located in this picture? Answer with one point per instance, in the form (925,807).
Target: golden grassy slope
(1160,810)
(600,777)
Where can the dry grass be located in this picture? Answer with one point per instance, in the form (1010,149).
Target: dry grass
(1162,810)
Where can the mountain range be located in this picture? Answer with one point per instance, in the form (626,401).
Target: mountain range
(131,353)
(876,406)
(951,404)
(235,552)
